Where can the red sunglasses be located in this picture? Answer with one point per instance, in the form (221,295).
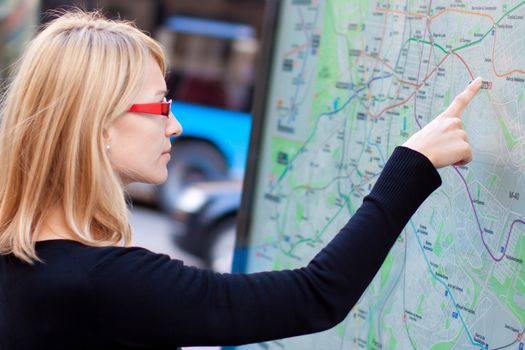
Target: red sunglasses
(159,108)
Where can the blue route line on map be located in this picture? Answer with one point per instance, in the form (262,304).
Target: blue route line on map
(343,106)
(446,287)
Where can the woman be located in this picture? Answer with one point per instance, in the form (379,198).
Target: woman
(85,115)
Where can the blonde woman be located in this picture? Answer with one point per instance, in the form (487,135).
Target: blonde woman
(84,115)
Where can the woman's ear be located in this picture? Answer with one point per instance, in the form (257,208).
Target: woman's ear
(106,138)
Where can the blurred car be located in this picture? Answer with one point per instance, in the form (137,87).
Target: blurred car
(208,212)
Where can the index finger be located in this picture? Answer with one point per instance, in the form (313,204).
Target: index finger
(462,100)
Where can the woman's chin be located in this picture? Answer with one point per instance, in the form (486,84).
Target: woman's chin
(159,178)
(154,178)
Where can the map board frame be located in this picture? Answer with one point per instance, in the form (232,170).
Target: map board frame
(264,67)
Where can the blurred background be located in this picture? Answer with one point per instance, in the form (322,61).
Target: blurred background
(212,47)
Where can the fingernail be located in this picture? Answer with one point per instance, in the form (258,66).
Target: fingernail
(477,81)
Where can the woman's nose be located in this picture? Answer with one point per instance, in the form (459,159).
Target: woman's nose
(174,128)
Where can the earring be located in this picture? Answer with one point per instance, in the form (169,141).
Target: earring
(107,147)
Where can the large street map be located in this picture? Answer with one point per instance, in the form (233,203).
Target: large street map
(351,80)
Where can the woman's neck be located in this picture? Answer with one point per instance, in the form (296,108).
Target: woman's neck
(54,227)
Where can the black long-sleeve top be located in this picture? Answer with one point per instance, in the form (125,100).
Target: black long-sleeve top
(86,297)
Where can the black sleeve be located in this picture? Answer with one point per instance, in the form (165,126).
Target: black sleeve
(149,300)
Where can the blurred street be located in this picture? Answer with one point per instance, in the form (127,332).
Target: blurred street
(153,230)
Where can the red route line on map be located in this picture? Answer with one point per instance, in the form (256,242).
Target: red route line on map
(386,64)
(413,93)
(418,86)
(464,63)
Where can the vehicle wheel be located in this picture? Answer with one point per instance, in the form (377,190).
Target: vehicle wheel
(223,245)
(191,161)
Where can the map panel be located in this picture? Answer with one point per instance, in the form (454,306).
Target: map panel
(350,81)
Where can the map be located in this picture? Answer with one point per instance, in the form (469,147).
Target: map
(350,81)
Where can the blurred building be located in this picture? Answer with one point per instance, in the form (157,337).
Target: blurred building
(211,70)
(18,23)
(205,67)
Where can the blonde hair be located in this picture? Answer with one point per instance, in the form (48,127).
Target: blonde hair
(77,75)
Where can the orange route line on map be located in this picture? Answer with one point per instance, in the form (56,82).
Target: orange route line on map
(505,74)
(416,14)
